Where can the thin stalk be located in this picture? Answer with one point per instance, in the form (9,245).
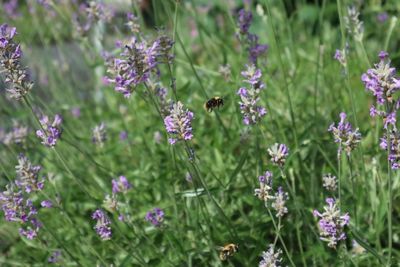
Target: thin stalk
(390,205)
(353,188)
(279,236)
(339,163)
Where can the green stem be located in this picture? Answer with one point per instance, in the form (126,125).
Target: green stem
(353,189)
(279,236)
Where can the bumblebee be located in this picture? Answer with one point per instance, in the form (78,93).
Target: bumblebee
(214,102)
(227,251)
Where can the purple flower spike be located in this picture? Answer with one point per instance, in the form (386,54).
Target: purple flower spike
(344,134)
(120,185)
(331,223)
(179,123)
(102,227)
(51,131)
(278,153)
(155,217)
(251,111)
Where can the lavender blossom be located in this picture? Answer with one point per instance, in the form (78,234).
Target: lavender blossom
(18,209)
(99,134)
(331,223)
(103,223)
(16,76)
(17,135)
(133,23)
(344,134)
(279,202)
(155,217)
(353,24)
(278,153)
(179,123)
(255,48)
(252,113)
(330,182)
(111,203)
(381,81)
(394,152)
(11,8)
(28,175)
(382,17)
(121,185)
(264,193)
(133,66)
(271,258)
(50,132)
(46,204)
(244,21)
(340,55)
(123,135)
(55,257)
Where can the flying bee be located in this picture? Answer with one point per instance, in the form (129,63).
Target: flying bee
(227,251)
(214,102)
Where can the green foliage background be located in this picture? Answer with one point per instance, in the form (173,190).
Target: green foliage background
(306,91)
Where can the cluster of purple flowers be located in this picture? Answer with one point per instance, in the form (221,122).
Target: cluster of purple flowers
(381,81)
(16,76)
(332,223)
(179,123)
(120,185)
(137,62)
(11,8)
(16,135)
(155,217)
(18,209)
(278,154)
(89,14)
(340,55)
(50,132)
(255,49)
(103,223)
(28,175)
(345,135)
(249,97)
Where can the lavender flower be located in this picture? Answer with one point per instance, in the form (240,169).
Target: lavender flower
(382,17)
(17,135)
(353,24)
(271,258)
(18,209)
(55,257)
(133,23)
(252,113)
(120,185)
(278,153)
(344,134)
(255,48)
(340,55)
(279,202)
(11,9)
(16,76)
(46,204)
(330,182)
(155,217)
(394,152)
(123,135)
(332,223)
(28,175)
(381,82)
(50,132)
(179,123)
(244,21)
(103,223)
(133,66)
(99,134)
(264,193)
(76,112)
(111,203)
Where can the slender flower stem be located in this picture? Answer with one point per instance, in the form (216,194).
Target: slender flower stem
(390,205)
(353,188)
(339,163)
(277,230)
